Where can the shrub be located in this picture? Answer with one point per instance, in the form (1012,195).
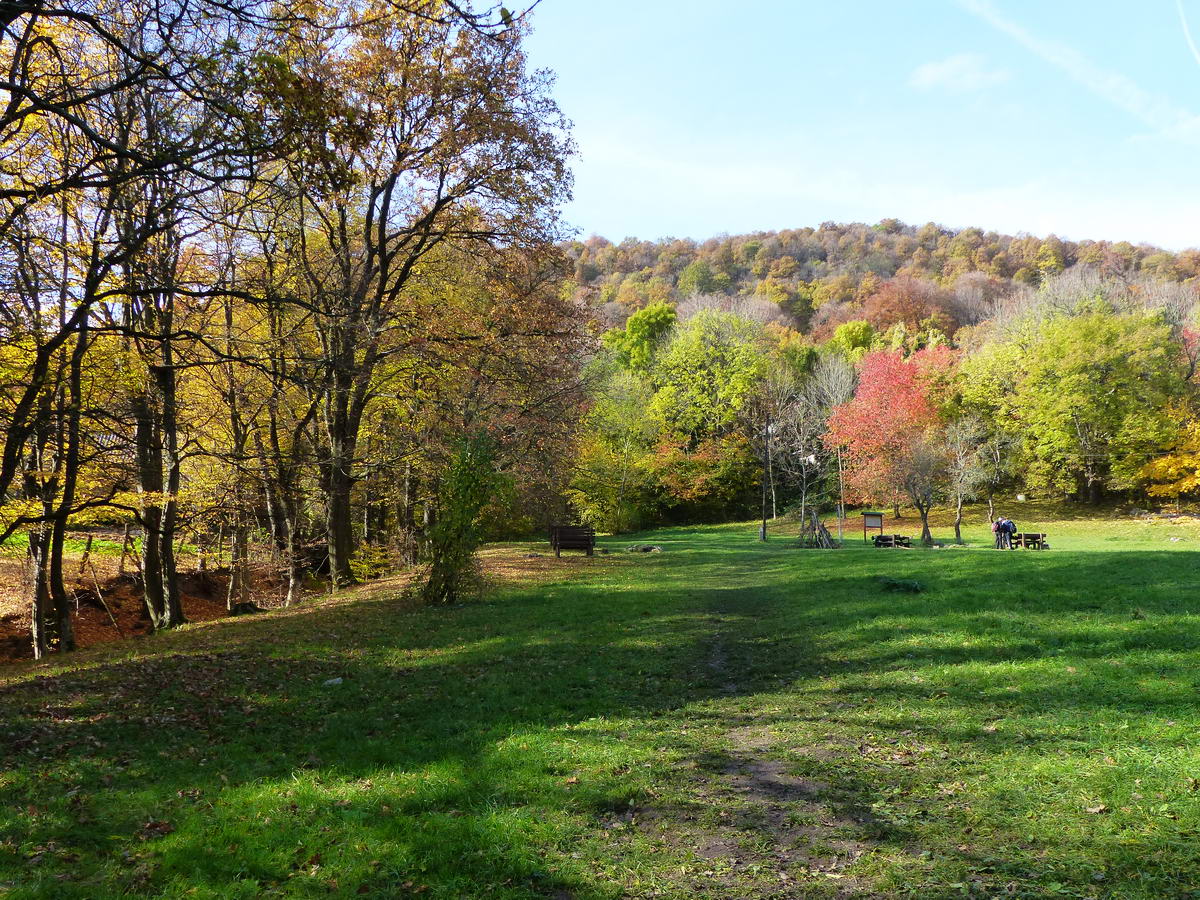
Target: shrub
(467,486)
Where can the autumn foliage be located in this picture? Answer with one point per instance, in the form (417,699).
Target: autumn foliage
(912,301)
(891,413)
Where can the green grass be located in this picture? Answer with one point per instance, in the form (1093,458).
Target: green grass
(722,719)
(18,546)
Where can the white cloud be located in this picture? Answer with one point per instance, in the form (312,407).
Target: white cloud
(962,73)
(1165,117)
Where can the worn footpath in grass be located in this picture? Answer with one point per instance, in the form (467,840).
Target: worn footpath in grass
(721,719)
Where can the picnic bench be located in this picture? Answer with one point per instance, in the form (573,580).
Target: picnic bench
(892,540)
(572,537)
(1029,541)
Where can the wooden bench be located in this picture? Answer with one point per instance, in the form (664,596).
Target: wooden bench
(892,540)
(1029,541)
(572,537)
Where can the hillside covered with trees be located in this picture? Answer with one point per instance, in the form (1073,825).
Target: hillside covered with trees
(820,275)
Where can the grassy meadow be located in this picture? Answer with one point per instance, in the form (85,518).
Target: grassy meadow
(721,719)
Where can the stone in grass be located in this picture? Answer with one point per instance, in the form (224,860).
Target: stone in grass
(902,585)
(331,682)
(643,548)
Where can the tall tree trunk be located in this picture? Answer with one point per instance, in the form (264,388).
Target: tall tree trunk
(958,517)
(841,497)
(290,517)
(762,532)
(150,486)
(771,477)
(341,424)
(39,580)
(166,376)
(368,512)
(239,587)
(293,568)
(59,600)
(339,525)
(341,434)
(408,518)
(803,500)
(70,478)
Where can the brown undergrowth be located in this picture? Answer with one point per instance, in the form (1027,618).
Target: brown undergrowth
(122,614)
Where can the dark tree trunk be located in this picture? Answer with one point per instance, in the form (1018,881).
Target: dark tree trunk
(150,483)
(70,477)
(239,586)
(339,523)
(170,432)
(59,600)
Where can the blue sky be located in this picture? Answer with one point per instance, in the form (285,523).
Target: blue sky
(708,117)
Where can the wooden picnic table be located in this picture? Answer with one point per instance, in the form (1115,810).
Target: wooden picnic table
(1029,540)
(892,540)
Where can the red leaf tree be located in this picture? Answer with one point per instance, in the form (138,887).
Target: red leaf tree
(889,430)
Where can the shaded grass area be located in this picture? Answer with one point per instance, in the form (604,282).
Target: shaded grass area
(722,719)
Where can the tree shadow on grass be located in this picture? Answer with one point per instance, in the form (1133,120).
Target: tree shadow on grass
(232,764)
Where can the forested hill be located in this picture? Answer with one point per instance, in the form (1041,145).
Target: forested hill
(819,275)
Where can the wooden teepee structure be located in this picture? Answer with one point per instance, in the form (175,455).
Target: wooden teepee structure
(813,533)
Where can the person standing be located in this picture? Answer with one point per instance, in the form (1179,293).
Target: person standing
(998,533)
(1010,528)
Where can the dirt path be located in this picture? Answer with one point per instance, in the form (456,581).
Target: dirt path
(765,830)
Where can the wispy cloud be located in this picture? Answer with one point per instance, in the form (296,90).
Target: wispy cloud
(962,73)
(1187,31)
(1161,114)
